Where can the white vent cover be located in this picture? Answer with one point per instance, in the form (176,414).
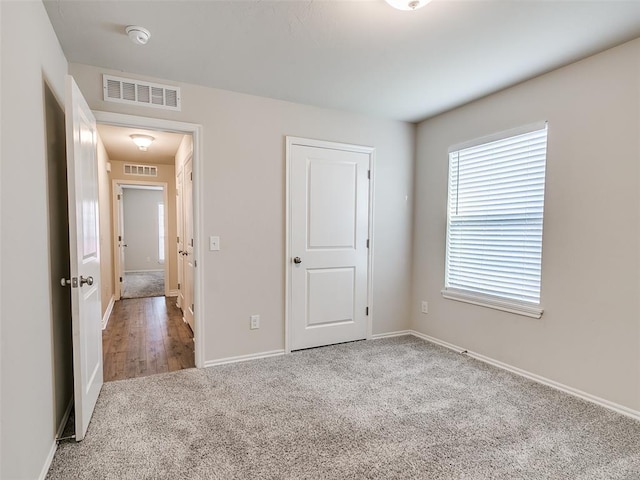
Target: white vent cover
(127,90)
(144,170)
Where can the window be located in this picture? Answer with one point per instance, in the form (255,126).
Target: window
(161,238)
(494,221)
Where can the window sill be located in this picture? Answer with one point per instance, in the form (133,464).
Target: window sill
(492,302)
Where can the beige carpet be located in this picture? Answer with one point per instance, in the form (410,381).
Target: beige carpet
(396,408)
(143,284)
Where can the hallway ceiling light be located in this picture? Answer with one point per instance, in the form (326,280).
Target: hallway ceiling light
(138,35)
(142,141)
(407,4)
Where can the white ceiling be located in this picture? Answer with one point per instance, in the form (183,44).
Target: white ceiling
(357,55)
(120,147)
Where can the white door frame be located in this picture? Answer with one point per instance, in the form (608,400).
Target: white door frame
(116,214)
(195,130)
(307,142)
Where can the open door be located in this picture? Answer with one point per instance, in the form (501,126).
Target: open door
(188,265)
(120,243)
(82,173)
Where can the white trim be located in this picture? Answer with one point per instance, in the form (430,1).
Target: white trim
(308,142)
(107,312)
(243,358)
(116,215)
(47,462)
(399,333)
(195,131)
(621,409)
(494,137)
(172,293)
(491,302)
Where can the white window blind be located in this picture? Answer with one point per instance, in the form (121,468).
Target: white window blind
(494,227)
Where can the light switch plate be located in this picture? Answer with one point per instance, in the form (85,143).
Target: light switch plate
(214,243)
(425,307)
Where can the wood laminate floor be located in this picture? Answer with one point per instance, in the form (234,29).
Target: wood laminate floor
(146,336)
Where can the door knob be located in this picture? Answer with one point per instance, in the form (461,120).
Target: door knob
(88,281)
(297,260)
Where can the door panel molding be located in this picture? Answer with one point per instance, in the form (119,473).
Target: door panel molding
(291,142)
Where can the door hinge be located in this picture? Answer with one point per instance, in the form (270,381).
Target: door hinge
(367,311)
(193,308)
(195,263)
(367,243)
(177,239)
(178,286)
(369,174)
(192,242)
(119,196)
(119,238)
(121,279)
(191,176)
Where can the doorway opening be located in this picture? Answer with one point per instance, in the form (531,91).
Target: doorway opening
(148,327)
(59,260)
(141,227)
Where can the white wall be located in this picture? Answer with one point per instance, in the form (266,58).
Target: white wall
(589,335)
(27,407)
(141,229)
(106,247)
(243,202)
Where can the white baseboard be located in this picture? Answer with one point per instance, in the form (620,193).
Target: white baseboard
(47,462)
(107,312)
(172,293)
(243,358)
(398,333)
(621,409)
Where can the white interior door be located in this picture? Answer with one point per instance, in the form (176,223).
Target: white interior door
(82,171)
(181,242)
(121,242)
(187,202)
(328,242)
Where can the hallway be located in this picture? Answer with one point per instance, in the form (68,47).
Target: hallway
(145,336)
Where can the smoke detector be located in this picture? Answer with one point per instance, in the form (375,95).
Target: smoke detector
(138,35)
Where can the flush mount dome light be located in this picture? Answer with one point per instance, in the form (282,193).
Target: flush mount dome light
(138,35)
(407,4)
(142,141)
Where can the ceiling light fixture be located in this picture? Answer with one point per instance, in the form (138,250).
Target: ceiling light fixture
(138,35)
(407,4)
(142,141)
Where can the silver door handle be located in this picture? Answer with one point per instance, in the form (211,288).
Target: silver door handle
(88,281)
(73,281)
(297,260)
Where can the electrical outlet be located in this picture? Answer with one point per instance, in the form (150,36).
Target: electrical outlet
(425,307)
(255,322)
(214,244)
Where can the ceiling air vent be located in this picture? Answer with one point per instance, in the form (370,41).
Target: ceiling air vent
(143,170)
(126,90)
